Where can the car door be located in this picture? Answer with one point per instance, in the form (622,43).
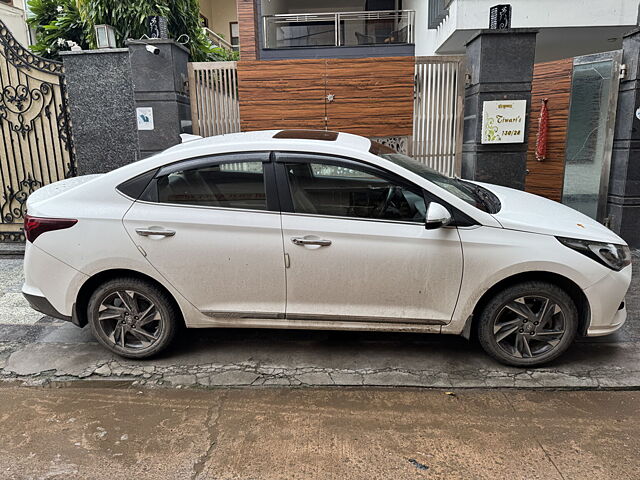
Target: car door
(357,245)
(209,227)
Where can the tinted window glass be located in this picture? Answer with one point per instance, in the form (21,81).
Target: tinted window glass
(471,193)
(349,191)
(231,185)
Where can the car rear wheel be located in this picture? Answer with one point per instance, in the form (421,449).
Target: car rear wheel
(528,324)
(132,318)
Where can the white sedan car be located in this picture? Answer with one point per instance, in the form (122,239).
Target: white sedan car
(317,230)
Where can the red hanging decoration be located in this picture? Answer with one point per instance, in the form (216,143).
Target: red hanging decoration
(543,127)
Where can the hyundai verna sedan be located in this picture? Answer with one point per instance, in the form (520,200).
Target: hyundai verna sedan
(317,230)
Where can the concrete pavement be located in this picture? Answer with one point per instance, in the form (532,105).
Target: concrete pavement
(37,350)
(284,433)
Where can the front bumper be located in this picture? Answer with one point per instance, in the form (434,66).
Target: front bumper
(618,321)
(606,302)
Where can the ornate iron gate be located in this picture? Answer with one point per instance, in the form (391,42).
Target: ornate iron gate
(37,147)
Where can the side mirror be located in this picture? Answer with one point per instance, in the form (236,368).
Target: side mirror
(437,216)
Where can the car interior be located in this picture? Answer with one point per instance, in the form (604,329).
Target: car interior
(343,192)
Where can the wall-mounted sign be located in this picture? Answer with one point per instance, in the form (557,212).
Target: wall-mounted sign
(638,113)
(503,121)
(144,115)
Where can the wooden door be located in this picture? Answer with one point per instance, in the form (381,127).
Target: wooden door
(282,94)
(368,96)
(551,80)
(371,96)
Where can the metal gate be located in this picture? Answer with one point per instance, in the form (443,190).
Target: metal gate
(37,147)
(213,89)
(438,113)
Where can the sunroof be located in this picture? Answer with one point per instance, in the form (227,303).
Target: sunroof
(307,135)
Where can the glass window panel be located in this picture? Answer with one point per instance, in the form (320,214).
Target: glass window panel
(586,138)
(347,191)
(230,185)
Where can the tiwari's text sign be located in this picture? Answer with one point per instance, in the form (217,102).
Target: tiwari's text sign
(503,121)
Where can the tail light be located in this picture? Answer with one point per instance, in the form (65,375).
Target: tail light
(36,226)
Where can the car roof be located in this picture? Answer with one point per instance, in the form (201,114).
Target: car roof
(275,139)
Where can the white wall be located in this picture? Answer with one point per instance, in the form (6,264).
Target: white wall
(220,13)
(569,20)
(424,37)
(14,17)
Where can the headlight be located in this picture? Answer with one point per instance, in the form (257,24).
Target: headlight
(610,255)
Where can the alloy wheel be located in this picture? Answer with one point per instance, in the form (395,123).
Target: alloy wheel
(130,320)
(529,326)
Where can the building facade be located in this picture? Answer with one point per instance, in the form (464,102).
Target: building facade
(565,29)
(13,14)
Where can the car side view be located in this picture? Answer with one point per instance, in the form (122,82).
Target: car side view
(317,230)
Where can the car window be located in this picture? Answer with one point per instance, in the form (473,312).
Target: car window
(230,185)
(350,191)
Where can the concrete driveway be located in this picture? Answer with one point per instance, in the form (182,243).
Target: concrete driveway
(38,349)
(83,432)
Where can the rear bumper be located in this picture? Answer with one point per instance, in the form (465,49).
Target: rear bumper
(51,286)
(42,305)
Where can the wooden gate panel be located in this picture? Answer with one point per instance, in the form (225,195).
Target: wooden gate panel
(213,94)
(282,94)
(551,80)
(371,96)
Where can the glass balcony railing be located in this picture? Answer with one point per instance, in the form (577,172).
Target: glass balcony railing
(343,29)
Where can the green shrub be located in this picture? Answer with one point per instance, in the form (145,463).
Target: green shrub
(57,22)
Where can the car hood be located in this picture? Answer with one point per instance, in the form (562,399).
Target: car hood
(531,213)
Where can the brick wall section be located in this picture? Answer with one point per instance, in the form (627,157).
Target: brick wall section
(248,26)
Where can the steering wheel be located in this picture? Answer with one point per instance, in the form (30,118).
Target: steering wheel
(388,201)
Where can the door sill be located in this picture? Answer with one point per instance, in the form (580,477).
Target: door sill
(316,322)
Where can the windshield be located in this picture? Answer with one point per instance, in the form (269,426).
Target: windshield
(469,192)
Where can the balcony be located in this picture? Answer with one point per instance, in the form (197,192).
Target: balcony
(338,30)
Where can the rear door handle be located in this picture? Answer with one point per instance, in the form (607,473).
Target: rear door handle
(146,232)
(310,241)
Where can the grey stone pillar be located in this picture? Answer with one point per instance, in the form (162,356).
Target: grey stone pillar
(500,67)
(160,82)
(624,185)
(102,109)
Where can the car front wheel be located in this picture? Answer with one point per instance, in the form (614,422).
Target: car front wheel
(132,318)
(528,324)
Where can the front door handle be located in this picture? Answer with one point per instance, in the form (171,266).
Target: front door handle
(146,232)
(310,241)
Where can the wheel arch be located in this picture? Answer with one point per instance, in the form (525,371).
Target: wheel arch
(568,285)
(89,286)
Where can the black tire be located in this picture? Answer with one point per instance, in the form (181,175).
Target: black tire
(537,324)
(122,331)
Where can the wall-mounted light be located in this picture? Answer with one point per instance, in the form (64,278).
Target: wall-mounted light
(105,36)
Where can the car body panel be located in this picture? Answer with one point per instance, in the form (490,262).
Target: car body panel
(517,239)
(493,255)
(222,260)
(372,270)
(532,213)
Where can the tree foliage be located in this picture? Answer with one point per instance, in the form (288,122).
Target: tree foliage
(59,22)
